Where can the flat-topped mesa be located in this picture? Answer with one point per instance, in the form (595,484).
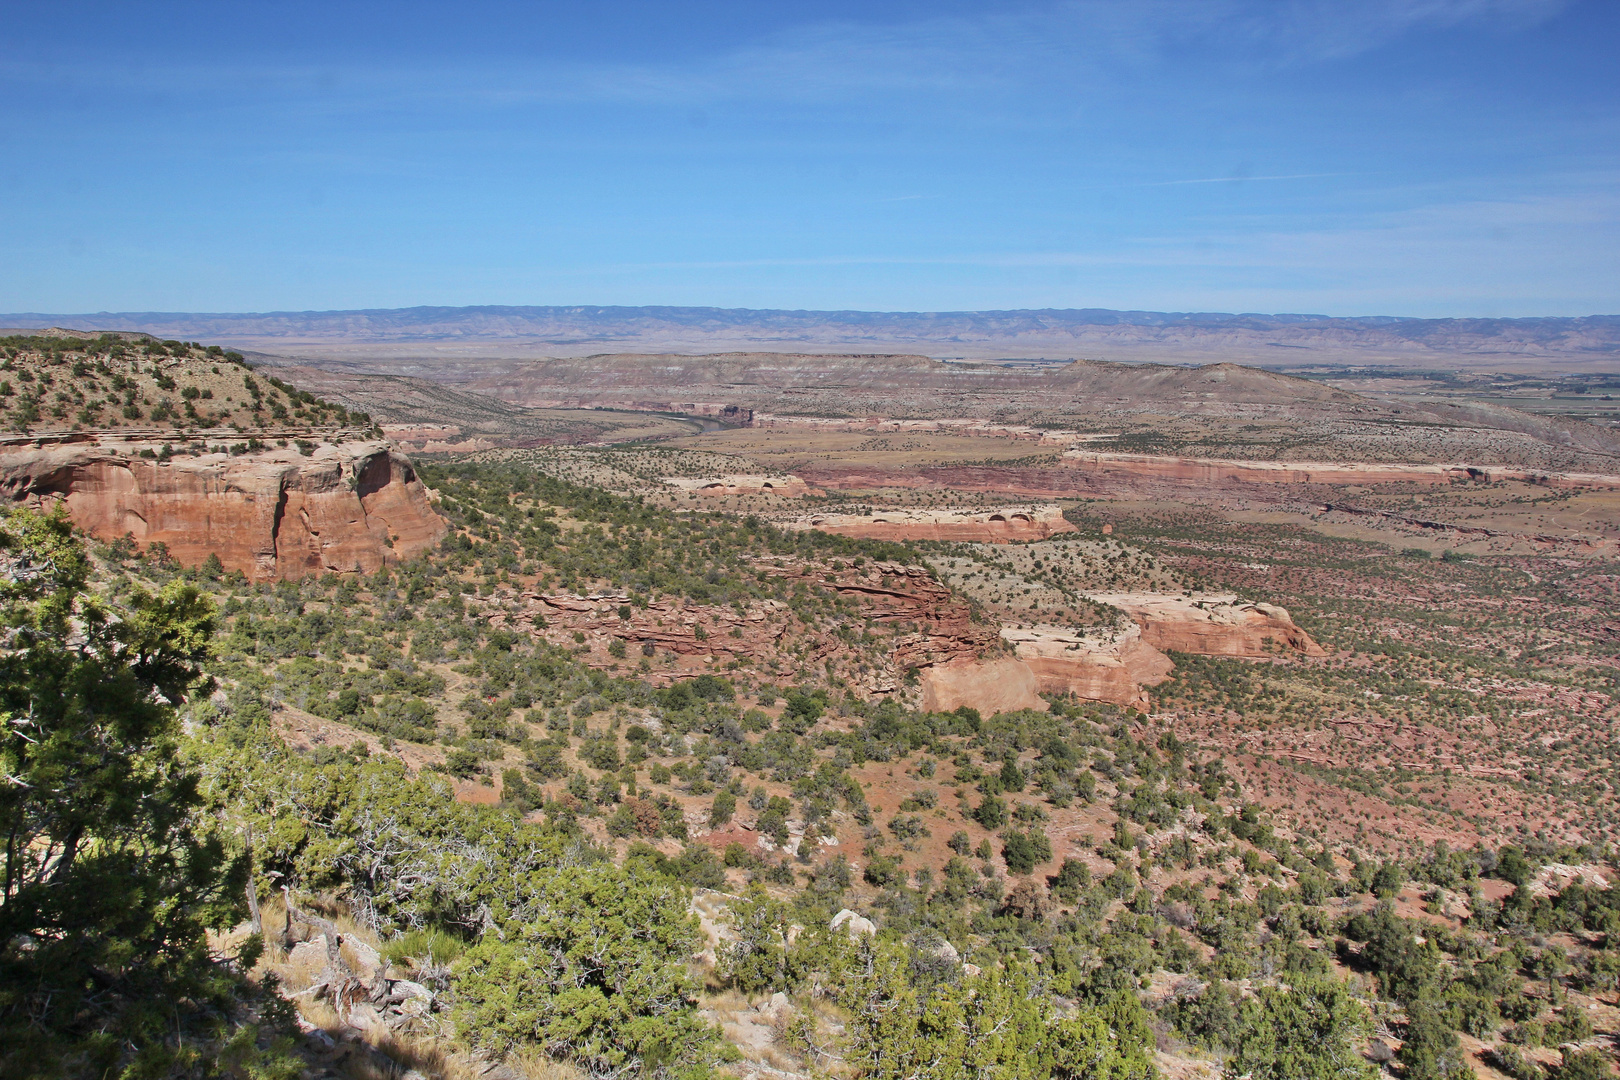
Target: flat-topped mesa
(1212,625)
(997,525)
(787,486)
(1105,665)
(272,514)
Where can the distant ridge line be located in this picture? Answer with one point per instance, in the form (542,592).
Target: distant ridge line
(1063,332)
(427,313)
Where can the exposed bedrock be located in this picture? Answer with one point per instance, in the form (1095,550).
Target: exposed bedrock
(788,486)
(933,628)
(1112,666)
(1119,666)
(1212,625)
(996,526)
(351,507)
(990,686)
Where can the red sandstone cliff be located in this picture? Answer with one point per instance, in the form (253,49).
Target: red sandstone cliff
(990,686)
(1212,625)
(350,507)
(1113,666)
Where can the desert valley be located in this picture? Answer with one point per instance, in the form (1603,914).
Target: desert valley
(1163,688)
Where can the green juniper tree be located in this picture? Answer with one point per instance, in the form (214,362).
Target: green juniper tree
(110,880)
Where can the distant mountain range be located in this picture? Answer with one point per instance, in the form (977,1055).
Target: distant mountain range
(1278,341)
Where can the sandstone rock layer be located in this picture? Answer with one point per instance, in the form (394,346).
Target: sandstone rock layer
(1212,625)
(932,627)
(1112,666)
(990,686)
(996,526)
(787,486)
(351,507)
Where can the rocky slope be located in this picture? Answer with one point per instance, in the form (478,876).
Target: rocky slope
(272,514)
(925,625)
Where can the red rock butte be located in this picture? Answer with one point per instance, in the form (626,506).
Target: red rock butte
(349,507)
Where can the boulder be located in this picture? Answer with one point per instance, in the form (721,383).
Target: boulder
(311,953)
(852,923)
(363,1016)
(400,990)
(365,960)
(777,1010)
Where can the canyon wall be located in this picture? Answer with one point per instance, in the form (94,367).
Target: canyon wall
(1212,625)
(1118,666)
(931,627)
(1090,474)
(990,686)
(351,507)
(1112,666)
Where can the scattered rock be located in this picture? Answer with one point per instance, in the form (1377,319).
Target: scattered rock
(776,1010)
(852,923)
(311,952)
(366,961)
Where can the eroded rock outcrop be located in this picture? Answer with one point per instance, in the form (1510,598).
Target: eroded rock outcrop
(999,525)
(990,686)
(350,507)
(1212,625)
(1106,665)
(787,486)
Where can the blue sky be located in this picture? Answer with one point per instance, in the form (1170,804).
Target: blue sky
(1410,157)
